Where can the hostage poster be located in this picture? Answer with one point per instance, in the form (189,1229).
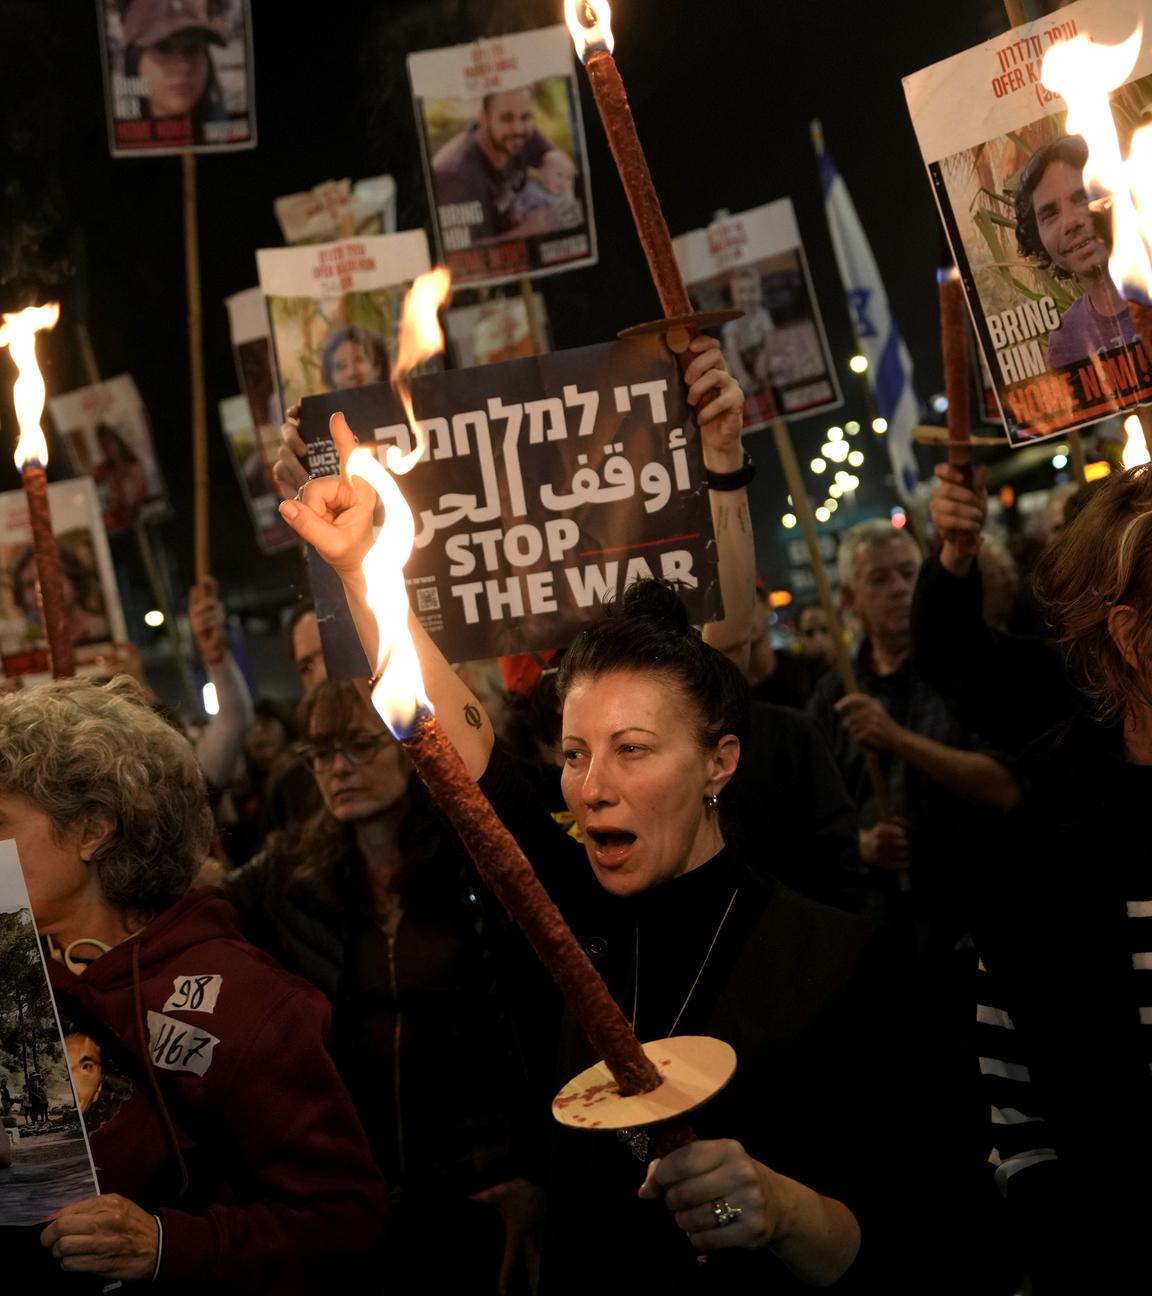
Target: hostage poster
(91,599)
(177,76)
(754,262)
(495,330)
(546,486)
(45,1163)
(334,309)
(1009,182)
(107,432)
(504,156)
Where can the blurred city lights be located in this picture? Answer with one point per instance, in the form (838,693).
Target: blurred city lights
(858,363)
(835,434)
(211,702)
(822,514)
(817,465)
(154,618)
(789,520)
(880,425)
(856,459)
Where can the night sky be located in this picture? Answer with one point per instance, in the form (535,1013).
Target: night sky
(722,93)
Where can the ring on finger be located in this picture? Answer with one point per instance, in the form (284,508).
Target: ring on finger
(303,487)
(724,1213)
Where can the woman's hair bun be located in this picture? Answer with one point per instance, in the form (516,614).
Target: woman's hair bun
(657,600)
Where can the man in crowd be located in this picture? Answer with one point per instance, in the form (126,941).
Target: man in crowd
(935,778)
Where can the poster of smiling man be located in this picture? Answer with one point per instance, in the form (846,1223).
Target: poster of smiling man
(177,75)
(1031,249)
(504,156)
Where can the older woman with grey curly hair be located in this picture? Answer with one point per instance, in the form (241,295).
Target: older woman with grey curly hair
(227,1147)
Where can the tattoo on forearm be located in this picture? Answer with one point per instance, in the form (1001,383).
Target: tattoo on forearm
(473,717)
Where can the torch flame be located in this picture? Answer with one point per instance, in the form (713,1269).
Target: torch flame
(399,696)
(18,334)
(590,22)
(1136,447)
(420,339)
(1083,72)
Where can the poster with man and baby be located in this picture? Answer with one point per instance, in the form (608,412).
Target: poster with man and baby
(1031,251)
(177,76)
(754,262)
(504,156)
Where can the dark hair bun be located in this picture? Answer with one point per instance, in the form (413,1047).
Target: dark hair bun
(658,601)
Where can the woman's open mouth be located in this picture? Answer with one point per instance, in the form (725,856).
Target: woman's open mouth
(611,847)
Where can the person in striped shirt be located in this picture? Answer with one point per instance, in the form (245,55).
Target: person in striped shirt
(1065,930)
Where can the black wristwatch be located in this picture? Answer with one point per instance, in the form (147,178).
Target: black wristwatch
(733,480)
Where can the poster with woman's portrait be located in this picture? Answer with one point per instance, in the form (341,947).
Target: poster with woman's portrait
(504,156)
(334,309)
(45,1162)
(177,75)
(1032,254)
(106,430)
(754,262)
(91,599)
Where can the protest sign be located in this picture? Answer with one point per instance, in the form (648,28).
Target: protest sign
(92,602)
(256,370)
(177,76)
(1008,180)
(42,1134)
(338,209)
(335,308)
(504,156)
(493,331)
(546,486)
(106,431)
(754,262)
(250,459)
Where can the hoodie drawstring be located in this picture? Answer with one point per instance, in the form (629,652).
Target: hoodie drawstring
(153,1079)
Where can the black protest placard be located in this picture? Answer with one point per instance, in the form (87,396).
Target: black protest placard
(546,486)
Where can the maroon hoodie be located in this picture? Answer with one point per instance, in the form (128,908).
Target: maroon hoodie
(219,1109)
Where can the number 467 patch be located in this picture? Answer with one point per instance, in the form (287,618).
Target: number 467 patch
(176,1046)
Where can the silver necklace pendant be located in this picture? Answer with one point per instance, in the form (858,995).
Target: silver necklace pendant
(636,1141)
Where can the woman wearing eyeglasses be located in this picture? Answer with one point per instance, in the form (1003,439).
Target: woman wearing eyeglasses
(372,902)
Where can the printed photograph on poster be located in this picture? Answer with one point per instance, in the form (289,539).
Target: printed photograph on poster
(1009,181)
(45,1163)
(754,262)
(338,209)
(108,437)
(334,309)
(256,364)
(546,487)
(92,600)
(250,459)
(495,330)
(504,156)
(177,76)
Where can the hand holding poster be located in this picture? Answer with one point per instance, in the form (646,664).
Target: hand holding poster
(335,308)
(504,156)
(177,75)
(1010,186)
(45,1163)
(106,430)
(547,486)
(754,262)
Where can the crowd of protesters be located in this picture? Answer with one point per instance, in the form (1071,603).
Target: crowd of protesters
(918,907)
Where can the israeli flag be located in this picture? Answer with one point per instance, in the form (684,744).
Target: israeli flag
(889,364)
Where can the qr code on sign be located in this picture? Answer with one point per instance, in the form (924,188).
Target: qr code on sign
(428,600)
